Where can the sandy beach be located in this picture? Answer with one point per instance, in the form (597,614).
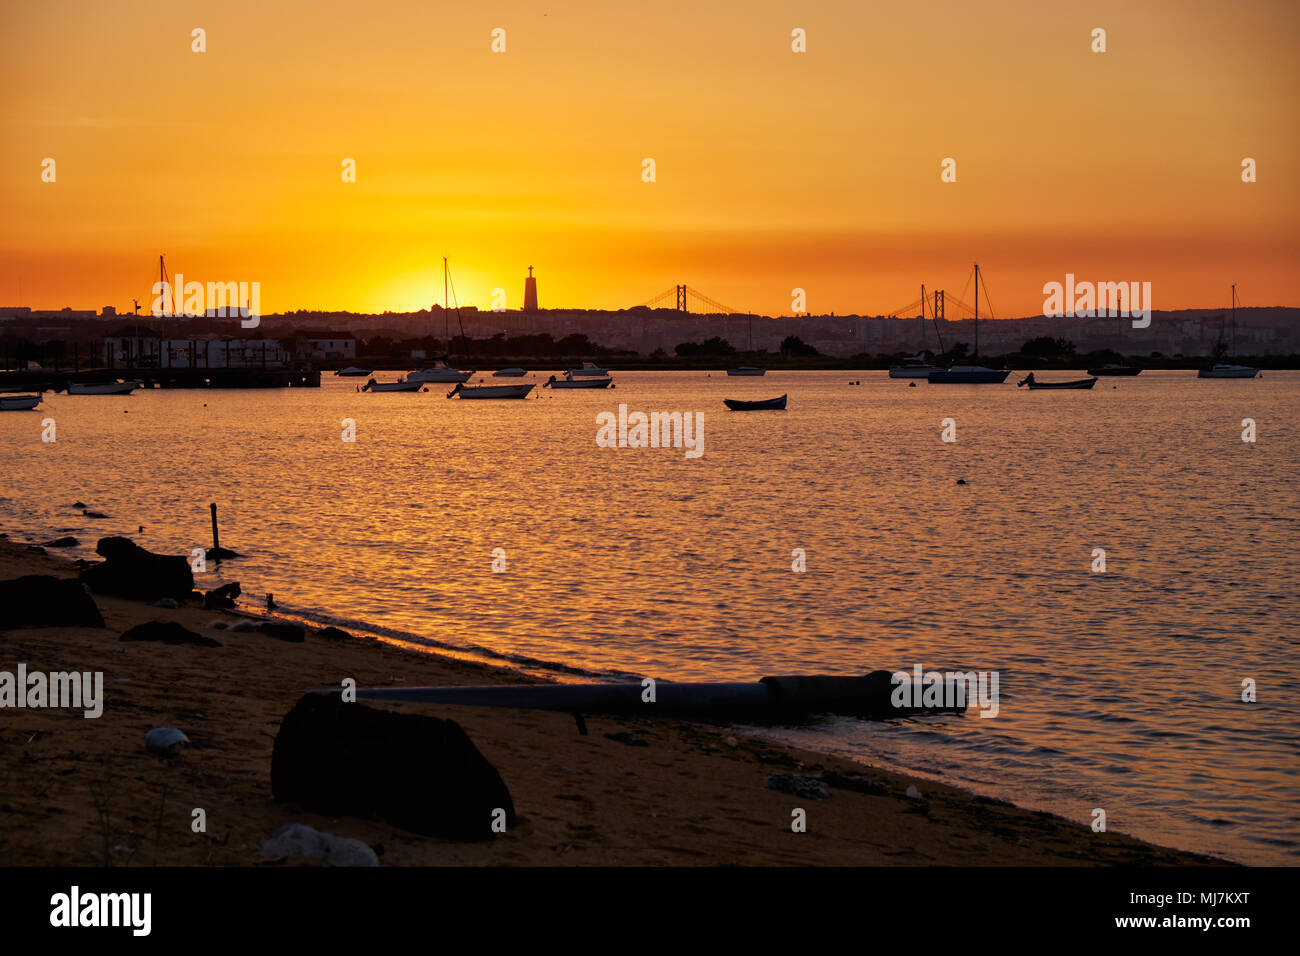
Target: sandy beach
(84,792)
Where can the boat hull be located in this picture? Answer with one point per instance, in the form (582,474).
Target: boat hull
(354,372)
(982,376)
(1082,383)
(905,371)
(776,404)
(580,383)
(102,388)
(18,403)
(510,373)
(1228,371)
(491,391)
(448,376)
(1115,370)
(373,386)
(746,371)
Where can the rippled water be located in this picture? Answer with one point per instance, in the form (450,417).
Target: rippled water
(1118,690)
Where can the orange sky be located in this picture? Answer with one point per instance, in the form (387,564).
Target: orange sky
(775,170)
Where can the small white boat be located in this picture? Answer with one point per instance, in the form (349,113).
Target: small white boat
(353,371)
(510,373)
(1222,370)
(18,403)
(588,371)
(569,381)
(401,385)
(490,391)
(746,370)
(102,388)
(914,367)
(439,372)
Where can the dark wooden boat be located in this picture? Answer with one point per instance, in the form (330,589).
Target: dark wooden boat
(1077,383)
(738,406)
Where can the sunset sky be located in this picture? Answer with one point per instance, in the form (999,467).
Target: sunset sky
(775,170)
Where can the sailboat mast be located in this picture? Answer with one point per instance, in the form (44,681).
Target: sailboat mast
(446,317)
(1234,318)
(977,308)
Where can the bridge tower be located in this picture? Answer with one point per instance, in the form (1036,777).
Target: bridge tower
(681,299)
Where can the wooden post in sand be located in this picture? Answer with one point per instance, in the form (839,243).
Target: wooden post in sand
(216,543)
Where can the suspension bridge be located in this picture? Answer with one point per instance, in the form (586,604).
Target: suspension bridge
(691,301)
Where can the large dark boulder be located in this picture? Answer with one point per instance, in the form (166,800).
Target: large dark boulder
(167,632)
(130,571)
(416,772)
(39,600)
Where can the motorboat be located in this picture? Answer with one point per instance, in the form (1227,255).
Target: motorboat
(569,381)
(739,406)
(746,370)
(490,391)
(18,403)
(589,370)
(510,373)
(913,367)
(439,372)
(102,388)
(353,371)
(968,375)
(1033,383)
(401,385)
(1224,370)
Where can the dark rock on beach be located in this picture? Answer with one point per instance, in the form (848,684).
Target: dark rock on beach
(64,542)
(333,634)
(790,783)
(167,632)
(130,571)
(221,554)
(420,773)
(42,601)
(852,781)
(222,597)
(292,633)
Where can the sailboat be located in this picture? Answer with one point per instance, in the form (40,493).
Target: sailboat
(441,371)
(1226,369)
(971,374)
(916,366)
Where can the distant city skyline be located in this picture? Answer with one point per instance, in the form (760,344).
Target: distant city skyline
(775,170)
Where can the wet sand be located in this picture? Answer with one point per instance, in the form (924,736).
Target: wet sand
(85,792)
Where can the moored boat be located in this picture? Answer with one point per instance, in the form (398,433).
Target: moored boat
(736,405)
(490,391)
(1224,370)
(439,372)
(1079,383)
(1228,369)
(588,370)
(18,403)
(746,370)
(510,373)
(102,388)
(913,367)
(968,375)
(401,385)
(353,371)
(1112,369)
(569,381)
